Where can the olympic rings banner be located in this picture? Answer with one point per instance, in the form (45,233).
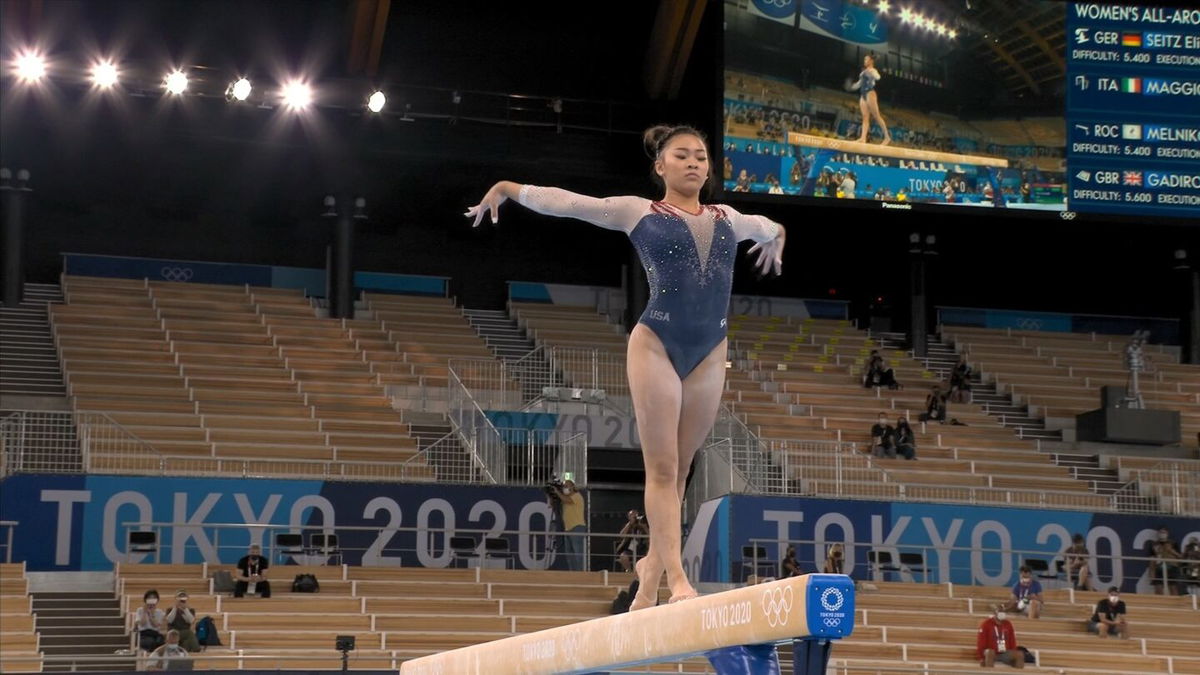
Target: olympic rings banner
(1162,331)
(310,280)
(713,550)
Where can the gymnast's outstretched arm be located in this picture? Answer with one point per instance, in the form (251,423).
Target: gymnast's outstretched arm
(611,213)
(768,237)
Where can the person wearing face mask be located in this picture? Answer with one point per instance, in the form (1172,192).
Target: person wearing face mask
(789,567)
(997,641)
(150,622)
(1076,559)
(906,440)
(677,351)
(183,619)
(1164,562)
(883,438)
(1109,616)
(1026,595)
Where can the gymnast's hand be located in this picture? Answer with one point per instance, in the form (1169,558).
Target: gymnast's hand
(770,255)
(496,196)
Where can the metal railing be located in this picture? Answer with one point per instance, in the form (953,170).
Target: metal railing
(10,527)
(521,384)
(1174,488)
(472,425)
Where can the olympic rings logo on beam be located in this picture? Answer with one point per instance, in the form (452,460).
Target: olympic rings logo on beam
(838,600)
(1066,215)
(176,273)
(777,606)
(832,623)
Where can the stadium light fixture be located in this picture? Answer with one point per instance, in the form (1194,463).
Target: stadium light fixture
(30,67)
(376,102)
(906,15)
(176,82)
(297,95)
(105,74)
(240,90)
(884,6)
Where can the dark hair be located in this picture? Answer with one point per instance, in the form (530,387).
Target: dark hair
(1113,589)
(147,594)
(656,138)
(1077,537)
(1025,568)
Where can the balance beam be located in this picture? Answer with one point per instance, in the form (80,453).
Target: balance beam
(796,138)
(808,606)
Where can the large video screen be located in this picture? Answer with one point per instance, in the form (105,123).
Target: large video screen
(1062,108)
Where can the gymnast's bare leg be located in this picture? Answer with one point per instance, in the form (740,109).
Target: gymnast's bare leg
(675,417)
(872,104)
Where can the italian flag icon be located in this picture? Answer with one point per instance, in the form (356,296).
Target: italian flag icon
(1131,85)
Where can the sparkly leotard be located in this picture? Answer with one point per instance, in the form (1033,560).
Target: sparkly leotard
(866,81)
(688,259)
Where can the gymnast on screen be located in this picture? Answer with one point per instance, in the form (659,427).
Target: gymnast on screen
(868,100)
(676,354)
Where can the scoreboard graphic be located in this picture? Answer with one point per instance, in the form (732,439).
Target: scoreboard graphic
(1133,102)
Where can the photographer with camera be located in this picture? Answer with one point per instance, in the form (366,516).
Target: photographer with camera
(1026,595)
(574,527)
(632,535)
(181,618)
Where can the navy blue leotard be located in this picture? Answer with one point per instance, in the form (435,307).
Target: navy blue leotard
(688,259)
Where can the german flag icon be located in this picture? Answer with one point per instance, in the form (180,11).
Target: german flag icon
(1131,39)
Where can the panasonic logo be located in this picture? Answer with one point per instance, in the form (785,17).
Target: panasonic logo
(902,207)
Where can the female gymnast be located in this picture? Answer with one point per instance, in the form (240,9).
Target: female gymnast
(868,100)
(676,354)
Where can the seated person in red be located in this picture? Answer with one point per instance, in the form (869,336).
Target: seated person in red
(1109,616)
(997,641)
(252,569)
(1026,595)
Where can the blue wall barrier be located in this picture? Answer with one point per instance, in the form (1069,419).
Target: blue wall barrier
(310,280)
(725,525)
(1162,331)
(78,522)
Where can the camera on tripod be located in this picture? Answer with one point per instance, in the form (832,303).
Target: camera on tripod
(553,487)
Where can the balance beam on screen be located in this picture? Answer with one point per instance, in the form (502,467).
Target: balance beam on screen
(878,150)
(808,606)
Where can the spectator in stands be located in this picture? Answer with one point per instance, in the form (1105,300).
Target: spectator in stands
(960,382)
(997,641)
(252,570)
(1191,567)
(906,440)
(633,534)
(1109,616)
(743,182)
(883,440)
(1026,595)
(170,651)
(789,566)
(935,406)
(1076,561)
(849,181)
(182,619)
(773,186)
(728,169)
(1165,568)
(835,560)
(574,527)
(878,374)
(150,622)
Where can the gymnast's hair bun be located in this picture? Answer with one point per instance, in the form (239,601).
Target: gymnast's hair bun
(655,138)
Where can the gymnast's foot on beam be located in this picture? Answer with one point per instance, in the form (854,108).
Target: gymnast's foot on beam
(648,579)
(681,590)
(887,141)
